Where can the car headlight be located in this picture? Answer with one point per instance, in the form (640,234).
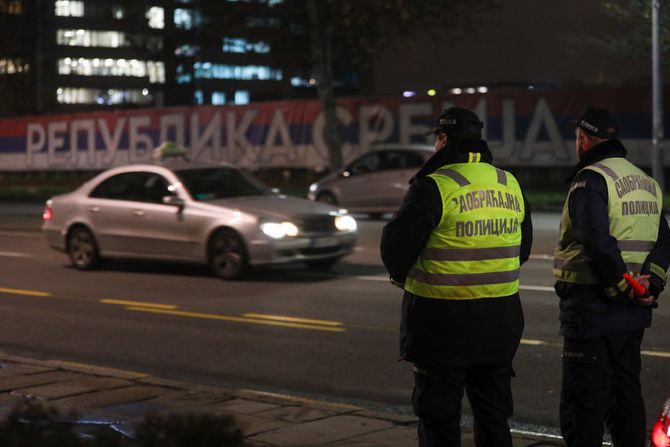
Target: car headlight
(279,230)
(313,187)
(345,223)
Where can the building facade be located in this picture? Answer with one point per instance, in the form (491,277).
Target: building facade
(60,56)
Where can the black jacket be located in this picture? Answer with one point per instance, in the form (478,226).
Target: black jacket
(585,311)
(436,332)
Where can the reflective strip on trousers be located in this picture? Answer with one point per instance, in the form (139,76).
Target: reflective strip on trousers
(470,254)
(463,279)
(627,245)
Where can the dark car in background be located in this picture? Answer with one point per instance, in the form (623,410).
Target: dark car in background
(181,211)
(374,183)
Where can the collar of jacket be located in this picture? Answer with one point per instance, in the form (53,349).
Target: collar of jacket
(606,149)
(456,152)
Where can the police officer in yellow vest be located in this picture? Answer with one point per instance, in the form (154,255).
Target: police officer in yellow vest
(612,224)
(455,247)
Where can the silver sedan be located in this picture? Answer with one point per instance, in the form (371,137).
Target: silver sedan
(374,183)
(180,211)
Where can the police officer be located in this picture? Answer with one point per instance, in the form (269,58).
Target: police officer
(455,247)
(612,224)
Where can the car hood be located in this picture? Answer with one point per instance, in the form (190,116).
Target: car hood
(277,206)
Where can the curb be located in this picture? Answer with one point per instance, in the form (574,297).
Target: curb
(268,419)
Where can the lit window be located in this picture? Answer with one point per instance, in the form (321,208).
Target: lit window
(199,97)
(155,71)
(156,17)
(13,66)
(68,95)
(87,38)
(183,18)
(69,8)
(207,70)
(242,97)
(298,81)
(218,98)
(183,76)
(118,12)
(187,50)
(14,7)
(240,45)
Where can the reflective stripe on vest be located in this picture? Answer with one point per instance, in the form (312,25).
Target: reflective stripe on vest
(474,251)
(634,207)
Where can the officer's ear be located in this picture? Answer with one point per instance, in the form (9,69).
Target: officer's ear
(584,140)
(441,140)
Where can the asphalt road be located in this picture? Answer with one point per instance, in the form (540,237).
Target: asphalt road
(321,335)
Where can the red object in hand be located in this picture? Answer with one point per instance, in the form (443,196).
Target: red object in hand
(638,288)
(660,436)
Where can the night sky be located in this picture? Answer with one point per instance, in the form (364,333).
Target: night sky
(526,41)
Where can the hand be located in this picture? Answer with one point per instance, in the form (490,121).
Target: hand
(641,300)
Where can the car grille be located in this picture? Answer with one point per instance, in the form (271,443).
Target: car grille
(317,224)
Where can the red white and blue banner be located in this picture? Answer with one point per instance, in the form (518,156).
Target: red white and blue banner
(522,128)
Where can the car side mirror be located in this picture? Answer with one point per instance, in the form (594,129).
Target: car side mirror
(174,201)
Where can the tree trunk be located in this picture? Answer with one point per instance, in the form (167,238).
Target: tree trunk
(322,65)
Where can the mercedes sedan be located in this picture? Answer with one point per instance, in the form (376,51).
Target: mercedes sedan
(181,211)
(374,183)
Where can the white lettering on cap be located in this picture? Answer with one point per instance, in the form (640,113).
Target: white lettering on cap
(589,126)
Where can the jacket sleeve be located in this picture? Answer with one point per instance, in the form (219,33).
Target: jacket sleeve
(658,260)
(590,220)
(526,233)
(406,234)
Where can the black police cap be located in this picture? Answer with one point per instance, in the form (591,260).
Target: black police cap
(597,122)
(458,123)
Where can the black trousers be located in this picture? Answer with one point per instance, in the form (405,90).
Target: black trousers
(601,385)
(437,402)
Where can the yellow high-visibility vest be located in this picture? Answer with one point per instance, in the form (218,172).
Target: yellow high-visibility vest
(634,205)
(473,252)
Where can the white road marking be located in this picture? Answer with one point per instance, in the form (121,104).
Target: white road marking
(542,257)
(21,233)
(13,254)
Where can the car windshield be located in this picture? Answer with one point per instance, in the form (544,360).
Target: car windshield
(220,183)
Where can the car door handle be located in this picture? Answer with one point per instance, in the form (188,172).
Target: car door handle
(94,209)
(138,213)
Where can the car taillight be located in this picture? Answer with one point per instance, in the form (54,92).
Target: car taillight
(48,212)
(660,435)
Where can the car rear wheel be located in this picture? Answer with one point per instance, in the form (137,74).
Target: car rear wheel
(227,255)
(82,249)
(327,197)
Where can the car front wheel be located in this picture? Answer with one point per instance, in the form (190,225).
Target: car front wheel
(327,197)
(227,255)
(82,249)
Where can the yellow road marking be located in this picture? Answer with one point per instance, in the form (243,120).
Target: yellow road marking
(527,341)
(656,354)
(24,292)
(293,319)
(180,313)
(138,303)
